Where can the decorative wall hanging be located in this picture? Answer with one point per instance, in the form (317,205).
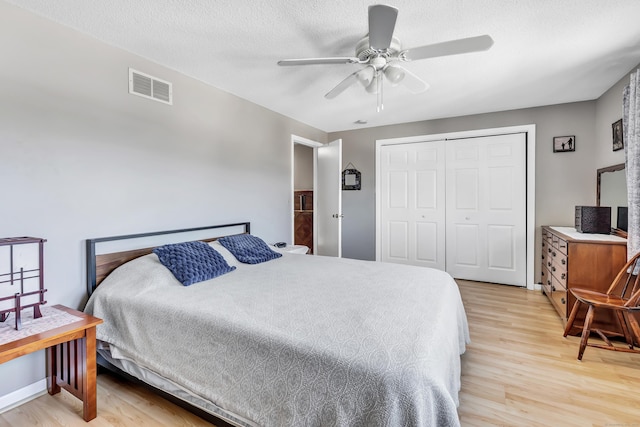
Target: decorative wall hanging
(564,143)
(351,178)
(618,139)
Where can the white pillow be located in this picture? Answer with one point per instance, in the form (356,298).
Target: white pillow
(228,256)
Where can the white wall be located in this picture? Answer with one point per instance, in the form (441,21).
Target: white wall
(81,158)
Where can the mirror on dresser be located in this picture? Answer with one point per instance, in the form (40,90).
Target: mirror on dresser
(612,191)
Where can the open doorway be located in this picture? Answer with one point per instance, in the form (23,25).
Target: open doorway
(325,201)
(303,187)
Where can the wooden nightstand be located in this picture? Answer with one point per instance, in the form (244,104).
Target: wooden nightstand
(71,357)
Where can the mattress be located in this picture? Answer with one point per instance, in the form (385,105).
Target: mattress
(299,340)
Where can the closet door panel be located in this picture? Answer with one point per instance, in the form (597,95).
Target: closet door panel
(486,182)
(427,241)
(412,193)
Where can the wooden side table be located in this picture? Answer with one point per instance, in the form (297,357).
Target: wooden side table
(71,357)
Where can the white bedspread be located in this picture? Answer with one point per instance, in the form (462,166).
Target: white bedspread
(298,341)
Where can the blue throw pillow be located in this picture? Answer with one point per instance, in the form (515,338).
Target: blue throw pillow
(249,249)
(192,262)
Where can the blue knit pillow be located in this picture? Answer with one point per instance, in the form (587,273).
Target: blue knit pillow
(249,249)
(192,262)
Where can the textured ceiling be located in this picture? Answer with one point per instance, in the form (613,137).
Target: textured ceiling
(545,51)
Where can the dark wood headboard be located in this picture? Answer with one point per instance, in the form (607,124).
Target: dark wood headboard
(99,266)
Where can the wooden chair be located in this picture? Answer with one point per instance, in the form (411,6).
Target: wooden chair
(623,297)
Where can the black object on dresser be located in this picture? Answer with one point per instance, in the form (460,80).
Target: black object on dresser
(593,219)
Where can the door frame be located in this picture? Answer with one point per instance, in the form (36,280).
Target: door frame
(528,130)
(295,139)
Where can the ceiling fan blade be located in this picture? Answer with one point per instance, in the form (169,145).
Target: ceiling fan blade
(342,86)
(452,47)
(414,83)
(382,21)
(314,61)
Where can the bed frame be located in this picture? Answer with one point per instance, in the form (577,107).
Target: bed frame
(99,267)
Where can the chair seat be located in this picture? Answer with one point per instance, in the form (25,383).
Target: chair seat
(598,298)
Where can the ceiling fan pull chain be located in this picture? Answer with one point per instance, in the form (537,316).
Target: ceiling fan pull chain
(380,105)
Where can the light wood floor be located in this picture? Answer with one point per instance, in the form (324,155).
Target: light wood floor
(518,371)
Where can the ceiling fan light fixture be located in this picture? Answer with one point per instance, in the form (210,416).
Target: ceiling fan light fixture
(373,86)
(394,73)
(365,76)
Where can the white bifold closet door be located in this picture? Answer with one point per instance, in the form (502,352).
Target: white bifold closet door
(457,205)
(413,204)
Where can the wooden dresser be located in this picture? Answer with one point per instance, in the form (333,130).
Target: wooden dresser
(573,259)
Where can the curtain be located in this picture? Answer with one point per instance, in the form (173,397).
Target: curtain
(631,137)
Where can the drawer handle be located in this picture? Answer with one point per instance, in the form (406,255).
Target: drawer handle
(553,268)
(549,250)
(562,300)
(553,253)
(563,262)
(549,264)
(542,273)
(549,282)
(563,276)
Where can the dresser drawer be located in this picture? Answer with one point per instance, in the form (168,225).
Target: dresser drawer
(546,281)
(559,270)
(559,298)
(558,248)
(560,245)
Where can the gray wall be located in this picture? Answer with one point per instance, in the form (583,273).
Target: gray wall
(563,180)
(82,158)
(302,167)
(608,111)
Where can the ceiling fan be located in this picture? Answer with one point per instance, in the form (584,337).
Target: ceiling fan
(381,52)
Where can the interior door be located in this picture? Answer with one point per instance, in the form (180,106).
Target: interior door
(328,199)
(413,204)
(486,209)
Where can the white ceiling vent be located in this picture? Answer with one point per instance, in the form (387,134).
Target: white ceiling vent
(150,87)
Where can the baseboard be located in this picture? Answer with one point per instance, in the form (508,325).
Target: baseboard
(23,395)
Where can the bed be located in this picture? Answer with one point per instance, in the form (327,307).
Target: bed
(298,340)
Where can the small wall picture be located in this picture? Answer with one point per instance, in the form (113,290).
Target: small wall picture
(618,140)
(351,179)
(564,143)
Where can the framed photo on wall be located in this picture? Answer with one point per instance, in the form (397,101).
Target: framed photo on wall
(618,140)
(564,143)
